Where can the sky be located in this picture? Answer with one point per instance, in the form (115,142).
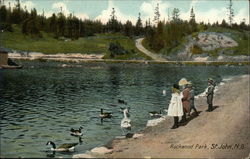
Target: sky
(205,10)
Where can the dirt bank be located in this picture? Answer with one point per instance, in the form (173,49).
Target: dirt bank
(223,133)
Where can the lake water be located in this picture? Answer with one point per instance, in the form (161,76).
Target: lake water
(42,101)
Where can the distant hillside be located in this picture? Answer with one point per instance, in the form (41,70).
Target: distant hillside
(214,43)
(98,44)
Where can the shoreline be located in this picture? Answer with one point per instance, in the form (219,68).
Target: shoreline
(95,58)
(125,147)
(98,60)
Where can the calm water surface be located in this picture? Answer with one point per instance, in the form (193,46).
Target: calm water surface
(42,101)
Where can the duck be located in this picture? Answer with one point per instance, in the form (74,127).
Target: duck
(122,101)
(62,148)
(155,114)
(105,114)
(125,122)
(76,132)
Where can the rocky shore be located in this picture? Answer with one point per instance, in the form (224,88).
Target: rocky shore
(222,133)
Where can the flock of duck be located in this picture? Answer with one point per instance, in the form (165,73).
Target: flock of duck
(125,127)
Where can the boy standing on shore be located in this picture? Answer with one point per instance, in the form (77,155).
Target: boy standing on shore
(210,94)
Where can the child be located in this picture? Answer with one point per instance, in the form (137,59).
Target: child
(210,94)
(191,100)
(175,107)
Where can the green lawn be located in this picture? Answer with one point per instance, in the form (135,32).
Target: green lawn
(97,44)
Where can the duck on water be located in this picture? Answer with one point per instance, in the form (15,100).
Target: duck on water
(105,114)
(76,132)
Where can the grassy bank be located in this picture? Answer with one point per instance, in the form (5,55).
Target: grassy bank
(97,44)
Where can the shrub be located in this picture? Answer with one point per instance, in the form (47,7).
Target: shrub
(6,26)
(196,49)
(116,49)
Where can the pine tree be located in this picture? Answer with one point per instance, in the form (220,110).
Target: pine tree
(138,26)
(112,24)
(157,14)
(61,24)
(3,14)
(192,23)
(230,12)
(176,15)
(128,28)
(192,15)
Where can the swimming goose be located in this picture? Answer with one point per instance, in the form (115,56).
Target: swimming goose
(122,101)
(105,114)
(76,132)
(126,122)
(64,147)
(155,114)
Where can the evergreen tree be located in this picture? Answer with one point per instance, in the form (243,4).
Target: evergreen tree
(138,26)
(224,23)
(53,24)
(157,14)
(61,25)
(128,28)
(3,14)
(192,23)
(192,16)
(113,25)
(230,12)
(176,15)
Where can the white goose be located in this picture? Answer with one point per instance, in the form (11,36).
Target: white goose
(126,122)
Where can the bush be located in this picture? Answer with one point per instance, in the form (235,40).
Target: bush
(196,49)
(6,26)
(116,49)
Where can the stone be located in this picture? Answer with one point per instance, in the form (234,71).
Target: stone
(135,136)
(101,150)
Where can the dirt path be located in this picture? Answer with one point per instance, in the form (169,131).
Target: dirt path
(222,133)
(138,44)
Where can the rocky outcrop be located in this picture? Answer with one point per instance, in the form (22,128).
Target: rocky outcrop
(197,48)
(208,41)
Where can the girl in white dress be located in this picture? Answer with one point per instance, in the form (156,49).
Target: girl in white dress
(175,107)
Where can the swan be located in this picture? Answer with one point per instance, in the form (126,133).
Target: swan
(105,114)
(76,132)
(63,148)
(126,122)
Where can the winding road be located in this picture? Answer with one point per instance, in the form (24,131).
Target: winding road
(138,44)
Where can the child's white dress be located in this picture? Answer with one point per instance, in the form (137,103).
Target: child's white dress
(175,107)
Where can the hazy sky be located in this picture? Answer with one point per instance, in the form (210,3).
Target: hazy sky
(209,10)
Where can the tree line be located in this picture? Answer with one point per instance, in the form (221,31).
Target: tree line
(169,35)
(163,33)
(61,25)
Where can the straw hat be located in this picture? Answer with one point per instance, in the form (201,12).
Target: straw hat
(184,82)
